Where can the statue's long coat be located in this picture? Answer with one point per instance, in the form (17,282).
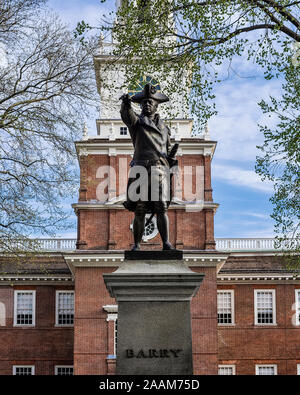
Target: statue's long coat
(151,141)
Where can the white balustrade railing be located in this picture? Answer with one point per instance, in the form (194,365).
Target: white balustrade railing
(251,244)
(56,244)
(222,244)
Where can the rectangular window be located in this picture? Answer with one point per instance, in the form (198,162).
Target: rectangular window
(123,130)
(65,308)
(226,370)
(225,307)
(25,370)
(264,306)
(24,308)
(266,370)
(297,292)
(298,369)
(64,370)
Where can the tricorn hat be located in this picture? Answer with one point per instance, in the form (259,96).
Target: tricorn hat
(149,92)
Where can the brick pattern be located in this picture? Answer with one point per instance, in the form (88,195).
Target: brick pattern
(204,324)
(43,345)
(91,346)
(110,229)
(246,344)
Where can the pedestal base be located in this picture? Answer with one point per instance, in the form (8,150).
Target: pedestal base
(164,255)
(154,323)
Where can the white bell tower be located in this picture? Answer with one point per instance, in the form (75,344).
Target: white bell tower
(111,85)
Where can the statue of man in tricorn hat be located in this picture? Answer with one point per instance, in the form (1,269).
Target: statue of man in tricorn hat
(153,156)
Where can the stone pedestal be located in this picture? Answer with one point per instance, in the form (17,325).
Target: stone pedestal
(154,322)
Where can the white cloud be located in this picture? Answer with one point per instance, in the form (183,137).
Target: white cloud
(68,235)
(75,11)
(236,125)
(248,214)
(240,177)
(259,232)
(257,215)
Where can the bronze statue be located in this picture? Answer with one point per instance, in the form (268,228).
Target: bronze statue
(152,151)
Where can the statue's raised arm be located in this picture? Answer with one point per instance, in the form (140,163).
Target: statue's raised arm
(151,141)
(127,114)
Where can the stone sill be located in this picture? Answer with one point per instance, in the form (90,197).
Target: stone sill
(227,325)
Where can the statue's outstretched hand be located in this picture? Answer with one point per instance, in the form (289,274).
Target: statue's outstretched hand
(125,99)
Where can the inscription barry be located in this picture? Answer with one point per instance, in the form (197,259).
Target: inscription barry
(153,353)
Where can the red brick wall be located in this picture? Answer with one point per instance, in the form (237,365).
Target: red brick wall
(91,346)
(90,164)
(110,229)
(43,345)
(246,344)
(204,324)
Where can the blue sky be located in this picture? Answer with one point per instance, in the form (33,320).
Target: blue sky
(244,200)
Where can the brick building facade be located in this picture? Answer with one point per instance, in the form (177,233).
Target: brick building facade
(41,343)
(253,339)
(226,336)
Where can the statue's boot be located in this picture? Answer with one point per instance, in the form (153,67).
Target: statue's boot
(163,227)
(168,246)
(136,247)
(138,230)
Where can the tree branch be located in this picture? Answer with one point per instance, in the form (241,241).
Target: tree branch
(222,40)
(282,11)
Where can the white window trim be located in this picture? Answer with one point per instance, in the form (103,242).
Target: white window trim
(56,306)
(112,315)
(232,307)
(297,291)
(228,366)
(274,323)
(115,341)
(56,367)
(298,369)
(33,292)
(265,366)
(123,134)
(24,366)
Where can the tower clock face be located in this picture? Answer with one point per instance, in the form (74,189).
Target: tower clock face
(139,86)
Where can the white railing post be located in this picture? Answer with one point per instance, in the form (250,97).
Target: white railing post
(245,244)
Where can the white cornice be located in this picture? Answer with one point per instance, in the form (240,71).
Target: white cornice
(95,146)
(111,308)
(230,278)
(119,121)
(112,312)
(90,258)
(30,279)
(205,259)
